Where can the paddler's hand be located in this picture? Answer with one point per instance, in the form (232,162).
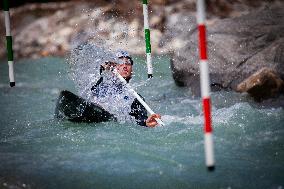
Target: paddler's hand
(151,122)
(108,65)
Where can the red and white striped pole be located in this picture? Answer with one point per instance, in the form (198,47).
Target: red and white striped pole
(205,89)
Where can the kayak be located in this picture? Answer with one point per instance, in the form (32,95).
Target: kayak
(76,109)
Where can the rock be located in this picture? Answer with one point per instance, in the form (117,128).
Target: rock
(75,23)
(53,28)
(178,27)
(263,84)
(237,48)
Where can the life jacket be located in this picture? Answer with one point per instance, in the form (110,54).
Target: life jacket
(114,97)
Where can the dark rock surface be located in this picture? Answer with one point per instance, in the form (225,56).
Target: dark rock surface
(237,48)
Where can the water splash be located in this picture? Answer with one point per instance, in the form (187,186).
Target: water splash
(85,61)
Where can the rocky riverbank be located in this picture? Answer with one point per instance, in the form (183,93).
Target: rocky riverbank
(51,29)
(243,36)
(246,54)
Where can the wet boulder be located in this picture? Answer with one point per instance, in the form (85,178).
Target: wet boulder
(263,84)
(237,48)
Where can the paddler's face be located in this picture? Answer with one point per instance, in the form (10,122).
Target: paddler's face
(125,70)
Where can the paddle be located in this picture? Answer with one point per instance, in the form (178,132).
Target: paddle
(160,122)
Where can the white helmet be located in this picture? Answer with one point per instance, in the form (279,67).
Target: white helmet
(122,53)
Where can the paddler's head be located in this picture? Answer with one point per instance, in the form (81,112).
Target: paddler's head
(124,66)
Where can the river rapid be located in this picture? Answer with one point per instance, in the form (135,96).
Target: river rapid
(38,151)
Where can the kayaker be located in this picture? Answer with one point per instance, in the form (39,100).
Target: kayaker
(109,90)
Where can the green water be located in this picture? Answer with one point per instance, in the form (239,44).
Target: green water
(38,151)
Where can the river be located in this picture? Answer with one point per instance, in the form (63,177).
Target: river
(38,151)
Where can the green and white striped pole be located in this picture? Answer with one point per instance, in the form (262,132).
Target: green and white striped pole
(147,39)
(9,43)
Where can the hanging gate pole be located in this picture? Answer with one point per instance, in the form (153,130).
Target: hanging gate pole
(205,88)
(9,43)
(147,39)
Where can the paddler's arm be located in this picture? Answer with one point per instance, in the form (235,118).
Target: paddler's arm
(140,115)
(138,112)
(103,67)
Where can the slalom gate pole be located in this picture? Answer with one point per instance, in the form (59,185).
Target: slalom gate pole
(160,122)
(147,39)
(9,43)
(205,89)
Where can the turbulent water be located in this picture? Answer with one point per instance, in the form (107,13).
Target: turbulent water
(37,151)
(85,63)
